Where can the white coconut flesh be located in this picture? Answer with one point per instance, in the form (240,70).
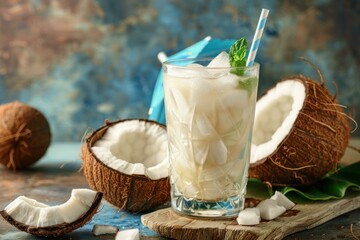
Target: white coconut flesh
(129,234)
(267,209)
(36,214)
(275,115)
(135,147)
(282,201)
(249,216)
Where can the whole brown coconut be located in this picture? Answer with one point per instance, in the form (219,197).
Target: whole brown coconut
(24,135)
(309,147)
(131,192)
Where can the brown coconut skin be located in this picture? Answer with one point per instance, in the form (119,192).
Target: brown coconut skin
(133,193)
(24,135)
(315,144)
(59,229)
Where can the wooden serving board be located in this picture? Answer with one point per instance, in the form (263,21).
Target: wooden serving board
(303,216)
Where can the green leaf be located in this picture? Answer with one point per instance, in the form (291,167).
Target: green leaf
(333,186)
(257,189)
(237,55)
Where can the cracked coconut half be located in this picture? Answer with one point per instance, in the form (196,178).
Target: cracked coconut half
(40,219)
(300,133)
(128,161)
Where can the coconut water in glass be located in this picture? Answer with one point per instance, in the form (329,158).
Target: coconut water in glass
(209,116)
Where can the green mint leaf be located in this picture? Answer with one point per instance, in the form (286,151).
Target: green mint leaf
(237,55)
(248,84)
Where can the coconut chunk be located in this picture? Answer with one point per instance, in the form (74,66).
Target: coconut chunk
(36,214)
(132,147)
(99,229)
(130,234)
(282,200)
(43,220)
(269,209)
(249,216)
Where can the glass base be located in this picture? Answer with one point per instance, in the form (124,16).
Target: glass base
(229,208)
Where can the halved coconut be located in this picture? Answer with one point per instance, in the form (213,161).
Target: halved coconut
(128,161)
(40,219)
(300,133)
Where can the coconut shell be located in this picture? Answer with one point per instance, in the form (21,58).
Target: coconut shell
(58,229)
(314,145)
(24,135)
(134,193)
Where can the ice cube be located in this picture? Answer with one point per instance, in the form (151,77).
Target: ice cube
(234,151)
(231,110)
(237,99)
(185,181)
(207,145)
(219,65)
(201,151)
(203,96)
(209,152)
(226,81)
(235,169)
(218,152)
(201,127)
(211,173)
(212,190)
(178,105)
(181,153)
(179,181)
(190,190)
(201,89)
(184,168)
(221,60)
(225,122)
(190,71)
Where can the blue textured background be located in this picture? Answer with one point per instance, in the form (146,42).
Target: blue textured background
(83,61)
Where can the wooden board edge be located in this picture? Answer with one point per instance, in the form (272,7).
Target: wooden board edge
(176,226)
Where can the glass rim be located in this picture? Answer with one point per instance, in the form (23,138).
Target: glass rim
(172,61)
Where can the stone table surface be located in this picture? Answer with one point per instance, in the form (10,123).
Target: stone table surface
(59,171)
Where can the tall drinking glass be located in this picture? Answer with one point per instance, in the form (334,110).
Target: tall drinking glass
(209,116)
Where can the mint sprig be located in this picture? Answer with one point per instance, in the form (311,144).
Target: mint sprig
(237,55)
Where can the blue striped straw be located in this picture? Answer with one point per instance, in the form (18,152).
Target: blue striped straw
(257,37)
